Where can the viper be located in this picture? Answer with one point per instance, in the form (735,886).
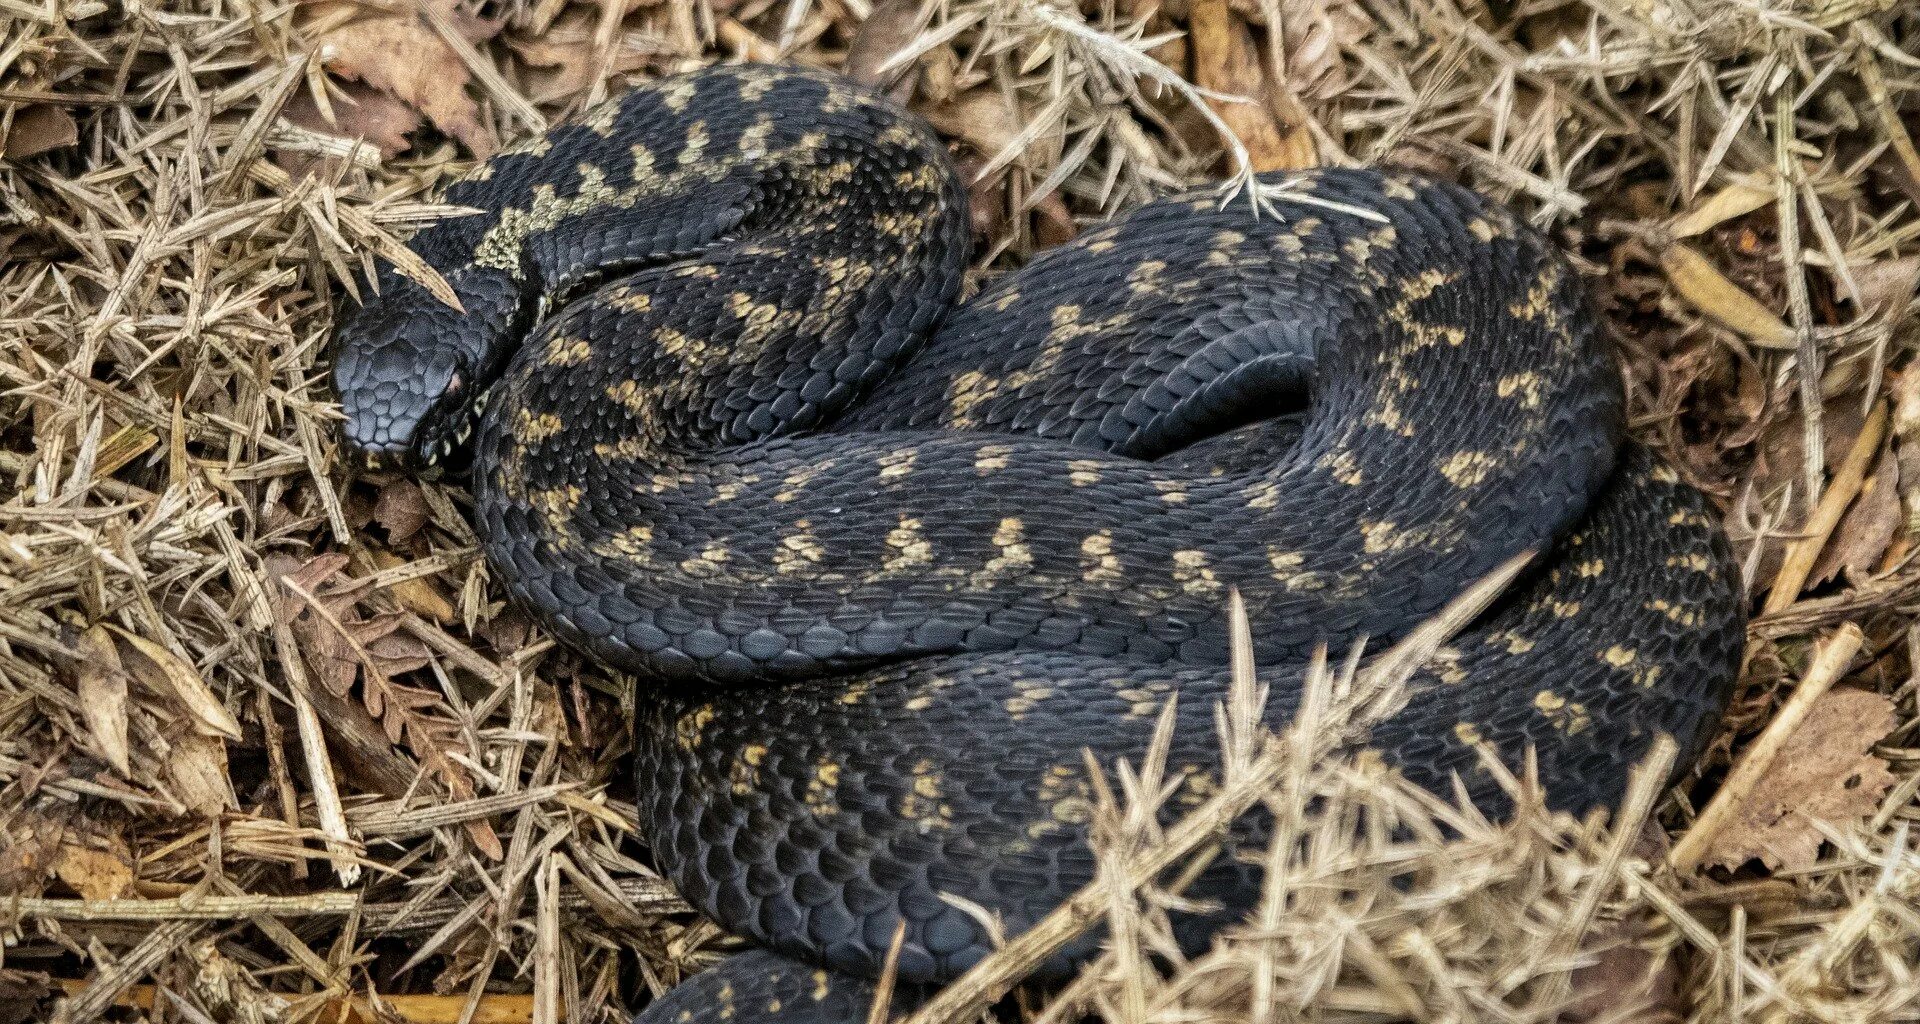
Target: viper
(885,563)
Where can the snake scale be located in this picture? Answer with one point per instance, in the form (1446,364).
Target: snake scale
(885,562)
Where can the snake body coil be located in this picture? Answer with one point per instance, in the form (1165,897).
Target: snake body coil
(885,565)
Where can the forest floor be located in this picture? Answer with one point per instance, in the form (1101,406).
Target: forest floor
(273,748)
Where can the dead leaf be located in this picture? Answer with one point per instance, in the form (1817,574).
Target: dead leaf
(417,595)
(402,509)
(1226,61)
(1703,286)
(1822,773)
(197,769)
(402,55)
(1887,286)
(567,58)
(359,112)
(1628,983)
(889,29)
(101,684)
(38,129)
(982,118)
(183,682)
(95,874)
(1865,532)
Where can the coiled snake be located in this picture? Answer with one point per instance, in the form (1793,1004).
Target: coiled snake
(885,565)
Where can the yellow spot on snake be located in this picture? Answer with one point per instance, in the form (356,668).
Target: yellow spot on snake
(895,465)
(1083,472)
(798,550)
(531,429)
(1013,551)
(1569,717)
(1427,282)
(991,458)
(1467,733)
(1172,492)
(1191,571)
(1526,384)
(1377,536)
(500,247)
(1344,465)
(691,727)
(565,350)
(1145,277)
(1465,469)
(1618,656)
(968,390)
(822,787)
(909,545)
(1695,561)
(635,543)
(1262,495)
(1097,561)
(1687,617)
(1590,568)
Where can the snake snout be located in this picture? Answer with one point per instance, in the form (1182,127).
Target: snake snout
(409,420)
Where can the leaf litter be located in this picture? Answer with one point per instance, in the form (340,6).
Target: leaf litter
(229,671)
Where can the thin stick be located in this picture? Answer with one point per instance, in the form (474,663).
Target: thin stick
(1828,663)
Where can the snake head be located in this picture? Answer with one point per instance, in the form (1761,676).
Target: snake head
(410,369)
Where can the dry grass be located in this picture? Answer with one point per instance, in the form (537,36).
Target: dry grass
(272,748)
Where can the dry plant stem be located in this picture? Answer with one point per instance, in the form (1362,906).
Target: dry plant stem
(1798,563)
(1828,664)
(986,982)
(494,1009)
(186,908)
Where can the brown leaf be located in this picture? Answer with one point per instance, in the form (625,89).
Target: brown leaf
(197,770)
(1225,60)
(1865,532)
(1628,983)
(38,129)
(94,873)
(1822,773)
(402,509)
(1887,286)
(982,118)
(359,112)
(167,673)
(889,29)
(101,684)
(402,55)
(417,595)
(567,58)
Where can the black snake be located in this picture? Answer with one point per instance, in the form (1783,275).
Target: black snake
(885,564)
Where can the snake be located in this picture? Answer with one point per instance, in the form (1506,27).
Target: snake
(894,570)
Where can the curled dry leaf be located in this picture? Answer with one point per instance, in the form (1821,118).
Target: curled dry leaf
(398,52)
(167,673)
(101,684)
(1702,285)
(1823,773)
(197,773)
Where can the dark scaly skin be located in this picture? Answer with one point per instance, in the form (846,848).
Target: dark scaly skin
(884,575)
